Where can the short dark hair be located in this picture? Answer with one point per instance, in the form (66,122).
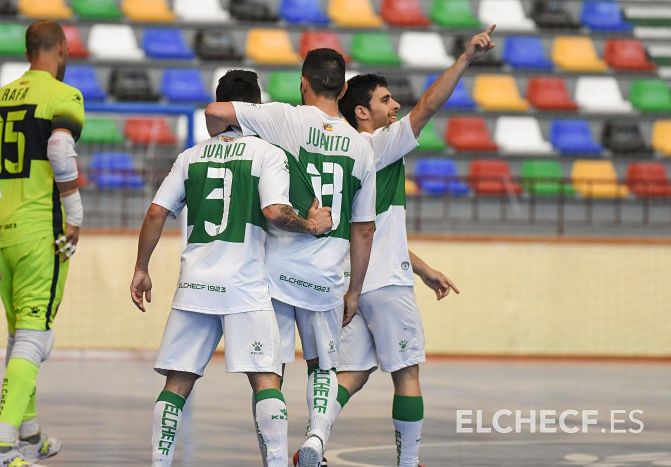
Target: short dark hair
(239,85)
(43,35)
(360,89)
(324,69)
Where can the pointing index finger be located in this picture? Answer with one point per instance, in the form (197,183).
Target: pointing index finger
(491,29)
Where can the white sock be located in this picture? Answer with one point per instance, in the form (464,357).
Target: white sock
(259,437)
(167,413)
(272,427)
(408,438)
(322,392)
(29,428)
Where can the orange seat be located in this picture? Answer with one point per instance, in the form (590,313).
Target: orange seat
(469,134)
(546,93)
(661,137)
(411,188)
(149,131)
(317,39)
(353,14)
(597,179)
(648,179)
(403,13)
(76,47)
(576,53)
(271,47)
(492,177)
(627,54)
(53,9)
(498,93)
(155,11)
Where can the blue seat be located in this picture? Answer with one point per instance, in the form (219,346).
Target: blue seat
(84,78)
(460,99)
(603,15)
(439,176)
(165,43)
(303,11)
(184,85)
(114,171)
(573,137)
(526,52)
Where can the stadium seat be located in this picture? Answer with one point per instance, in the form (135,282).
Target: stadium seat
(8,8)
(207,11)
(455,14)
(113,42)
(460,98)
(469,134)
(403,13)
(131,85)
(648,179)
(145,131)
(97,9)
(401,90)
(661,137)
(544,178)
(506,14)
(600,94)
(429,139)
(10,71)
(76,47)
(374,48)
(574,138)
(184,85)
(165,44)
(84,78)
(490,60)
(492,177)
(526,52)
(200,133)
(353,14)
(648,15)
(423,50)
(520,135)
(316,39)
(154,11)
(439,176)
(498,93)
(98,130)
(624,138)
(576,53)
(270,47)
(603,15)
(547,93)
(627,54)
(597,179)
(52,9)
(12,39)
(114,171)
(411,188)
(284,86)
(303,12)
(216,44)
(650,95)
(551,14)
(252,10)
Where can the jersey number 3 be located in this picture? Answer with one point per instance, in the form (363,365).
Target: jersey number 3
(223,194)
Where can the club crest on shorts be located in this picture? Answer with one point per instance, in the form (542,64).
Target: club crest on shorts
(405,265)
(403,345)
(257,348)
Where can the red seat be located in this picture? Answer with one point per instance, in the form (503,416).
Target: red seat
(469,134)
(317,39)
(627,54)
(76,47)
(403,13)
(149,131)
(492,177)
(648,179)
(546,93)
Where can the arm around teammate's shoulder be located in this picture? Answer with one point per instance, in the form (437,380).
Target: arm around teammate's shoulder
(284,217)
(219,116)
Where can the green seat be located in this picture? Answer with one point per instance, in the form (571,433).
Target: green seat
(97,9)
(374,49)
(12,39)
(453,14)
(650,95)
(101,131)
(285,86)
(544,178)
(429,139)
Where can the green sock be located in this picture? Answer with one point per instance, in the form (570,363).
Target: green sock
(343,395)
(17,388)
(312,368)
(408,415)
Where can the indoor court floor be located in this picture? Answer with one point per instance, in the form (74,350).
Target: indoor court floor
(101,408)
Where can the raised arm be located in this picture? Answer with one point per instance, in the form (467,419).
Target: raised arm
(284,217)
(440,91)
(435,279)
(219,116)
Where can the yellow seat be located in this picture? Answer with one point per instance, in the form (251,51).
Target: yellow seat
(661,137)
(597,179)
(155,11)
(498,93)
(271,47)
(411,188)
(353,14)
(576,53)
(54,9)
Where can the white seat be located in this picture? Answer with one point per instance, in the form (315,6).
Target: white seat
(201,10)
(600,94)
(423,50)
(351,74)
(114,42)
(507,14)
(200,133)
(11,71)
(221,71)
(520,135)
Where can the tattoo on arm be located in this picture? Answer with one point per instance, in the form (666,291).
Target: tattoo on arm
(293,223)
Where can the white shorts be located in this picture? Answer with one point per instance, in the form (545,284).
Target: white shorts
(251,342)
(387,332)
(319,331)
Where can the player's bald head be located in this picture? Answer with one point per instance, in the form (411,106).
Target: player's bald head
(42,36)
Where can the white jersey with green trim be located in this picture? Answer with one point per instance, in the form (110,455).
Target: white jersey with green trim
(330,161)
(225,183)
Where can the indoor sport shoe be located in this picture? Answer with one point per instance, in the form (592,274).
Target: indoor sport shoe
(323,464)
(310,454)
(46,447)
(14,458)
